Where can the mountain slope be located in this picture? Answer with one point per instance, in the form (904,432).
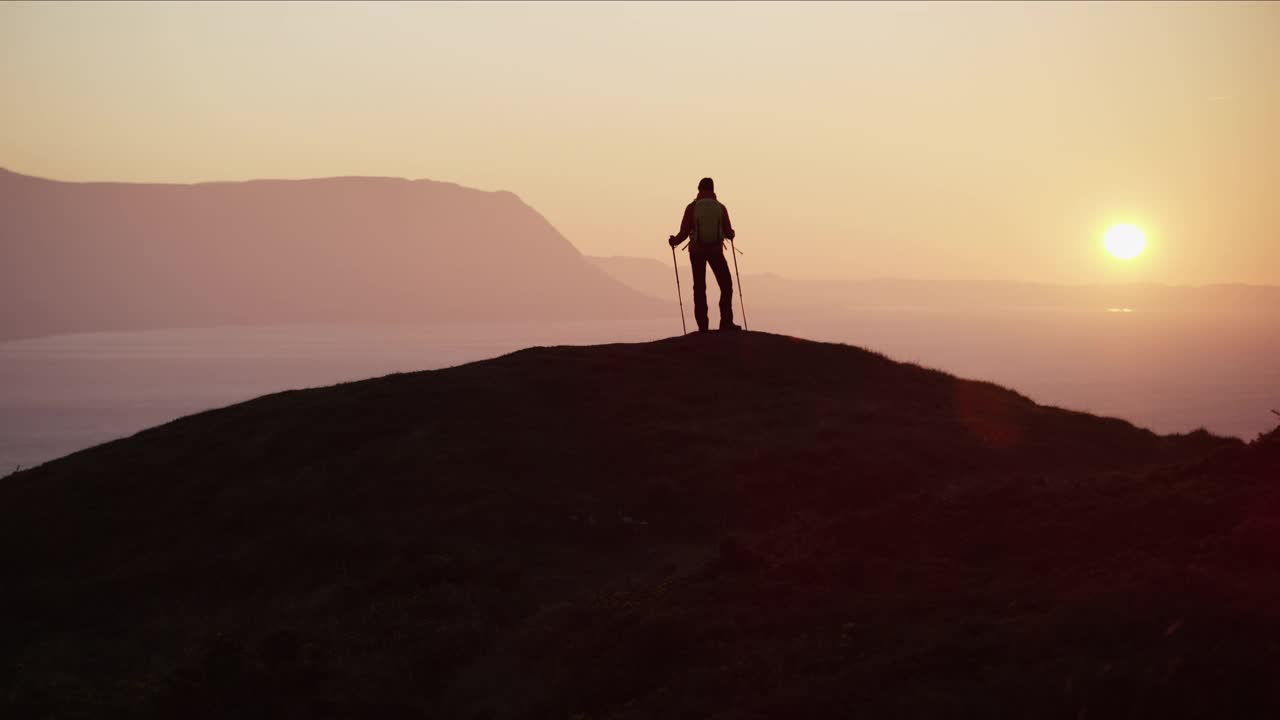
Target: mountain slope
(737,525)
(100,256)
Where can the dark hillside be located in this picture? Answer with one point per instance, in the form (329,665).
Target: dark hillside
(740,526)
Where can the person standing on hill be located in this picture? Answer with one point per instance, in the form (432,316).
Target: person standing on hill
(706,224)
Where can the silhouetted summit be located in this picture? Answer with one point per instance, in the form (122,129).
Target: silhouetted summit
(734,525)
(107,256)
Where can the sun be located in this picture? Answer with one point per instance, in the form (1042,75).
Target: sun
(1125,241)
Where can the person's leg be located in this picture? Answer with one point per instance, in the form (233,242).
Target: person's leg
(699,263)
(720,267)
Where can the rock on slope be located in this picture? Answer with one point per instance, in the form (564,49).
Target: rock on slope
(738,525)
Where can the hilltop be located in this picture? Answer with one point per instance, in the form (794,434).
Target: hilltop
(93,256)
(727,526)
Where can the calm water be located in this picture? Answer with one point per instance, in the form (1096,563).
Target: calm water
(65,393)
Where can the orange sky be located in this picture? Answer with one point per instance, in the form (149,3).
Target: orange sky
(952,140)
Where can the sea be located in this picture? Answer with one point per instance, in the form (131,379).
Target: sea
(1170,372)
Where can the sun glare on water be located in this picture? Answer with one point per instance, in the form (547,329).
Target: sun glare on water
(1125,241)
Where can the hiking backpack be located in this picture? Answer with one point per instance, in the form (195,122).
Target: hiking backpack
(708,222)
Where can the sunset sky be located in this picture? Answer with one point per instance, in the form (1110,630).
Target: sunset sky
(980,141)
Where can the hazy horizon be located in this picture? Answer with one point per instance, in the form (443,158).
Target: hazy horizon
(654,256)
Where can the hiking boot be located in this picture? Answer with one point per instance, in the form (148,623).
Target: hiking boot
(729,326)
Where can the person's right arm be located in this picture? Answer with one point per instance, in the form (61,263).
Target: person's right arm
(686,227)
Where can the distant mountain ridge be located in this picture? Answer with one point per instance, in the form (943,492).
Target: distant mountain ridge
(87,256)
(654,277)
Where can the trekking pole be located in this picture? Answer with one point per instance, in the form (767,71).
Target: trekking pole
(679,294)
(737,277)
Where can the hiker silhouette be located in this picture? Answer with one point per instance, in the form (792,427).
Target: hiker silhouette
(706,224)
